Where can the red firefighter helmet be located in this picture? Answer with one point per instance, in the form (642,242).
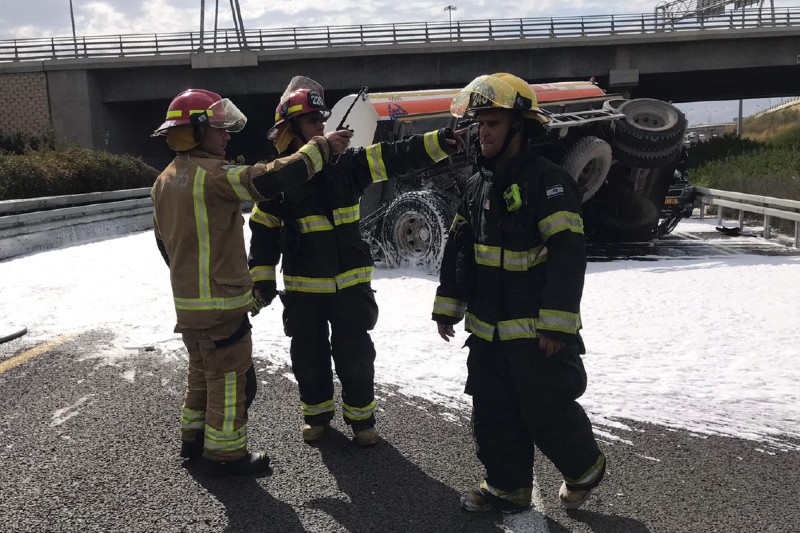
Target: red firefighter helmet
(299,102)
(202,107)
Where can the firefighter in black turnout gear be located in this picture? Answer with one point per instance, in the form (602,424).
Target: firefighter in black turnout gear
(513,268)
(327,267)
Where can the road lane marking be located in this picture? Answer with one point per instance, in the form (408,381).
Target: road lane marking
(531,521)
(36,351)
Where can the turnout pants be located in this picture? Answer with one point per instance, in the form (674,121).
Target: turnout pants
(351,313)
(522,399)
(221,385)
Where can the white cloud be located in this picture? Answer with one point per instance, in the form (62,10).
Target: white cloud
(50,18)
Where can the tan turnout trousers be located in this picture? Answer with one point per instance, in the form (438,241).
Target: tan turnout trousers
(216,391)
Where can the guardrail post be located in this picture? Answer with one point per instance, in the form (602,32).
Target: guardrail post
(613,29)
(394,33)
(156,38)
(767,229)
(583,28)
(703,208)
(16,51)
(719,215)
(552,28)
(797,234)
(53,46)
(121,49)
(361,33)
(741,219)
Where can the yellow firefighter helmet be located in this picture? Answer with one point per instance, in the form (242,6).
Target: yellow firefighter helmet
(499,91)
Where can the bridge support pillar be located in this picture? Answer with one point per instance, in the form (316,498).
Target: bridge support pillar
(623,78)
(75,107)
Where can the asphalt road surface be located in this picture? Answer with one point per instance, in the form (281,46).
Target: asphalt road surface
(87,445)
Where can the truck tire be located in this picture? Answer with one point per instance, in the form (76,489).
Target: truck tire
(635,221)
(588,162)
(649,125)
(414,230)
(646,157)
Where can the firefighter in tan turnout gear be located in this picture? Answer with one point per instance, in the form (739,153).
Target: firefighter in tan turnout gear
(513,268)
(329,305)
(199,231)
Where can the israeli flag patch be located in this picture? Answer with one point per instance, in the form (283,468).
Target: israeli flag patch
(552,192)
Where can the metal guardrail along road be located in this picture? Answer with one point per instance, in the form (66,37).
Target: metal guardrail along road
(227,40)
(766,206)
(39,224)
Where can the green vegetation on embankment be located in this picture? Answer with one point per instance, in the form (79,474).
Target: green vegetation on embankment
(32,166)
(766,161)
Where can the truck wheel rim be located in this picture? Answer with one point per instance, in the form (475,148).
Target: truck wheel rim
(412,235)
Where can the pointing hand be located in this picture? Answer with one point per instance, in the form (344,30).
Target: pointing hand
(339,141)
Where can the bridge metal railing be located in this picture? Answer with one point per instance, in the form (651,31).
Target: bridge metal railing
(766,206)
(132,45)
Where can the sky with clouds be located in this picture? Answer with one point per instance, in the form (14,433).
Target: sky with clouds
(51,18)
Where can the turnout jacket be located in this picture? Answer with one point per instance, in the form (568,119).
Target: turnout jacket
(198,224)
(316,226)
(515,269)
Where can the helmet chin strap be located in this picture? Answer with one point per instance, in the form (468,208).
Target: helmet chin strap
(516,127)
(298,132)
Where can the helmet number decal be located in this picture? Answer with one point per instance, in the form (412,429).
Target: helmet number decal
(478,100)
(315,99)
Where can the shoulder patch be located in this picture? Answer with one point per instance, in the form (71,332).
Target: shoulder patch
(552,192)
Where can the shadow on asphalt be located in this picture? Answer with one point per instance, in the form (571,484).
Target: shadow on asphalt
(601,523)
(248,506)
(387,492)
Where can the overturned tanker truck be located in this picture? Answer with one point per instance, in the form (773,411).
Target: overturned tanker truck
(622,154)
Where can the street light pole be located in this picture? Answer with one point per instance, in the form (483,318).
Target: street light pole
(450,10)
(72,18)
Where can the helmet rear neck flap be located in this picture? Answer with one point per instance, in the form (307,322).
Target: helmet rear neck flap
(193,110)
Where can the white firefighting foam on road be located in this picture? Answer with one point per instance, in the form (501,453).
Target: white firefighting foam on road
(706,344)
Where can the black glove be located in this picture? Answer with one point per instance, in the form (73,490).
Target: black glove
(262,299)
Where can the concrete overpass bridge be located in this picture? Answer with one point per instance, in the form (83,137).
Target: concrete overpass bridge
(110,92)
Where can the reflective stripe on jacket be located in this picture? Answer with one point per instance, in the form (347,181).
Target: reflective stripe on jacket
(316,227)
(526,267)
(198,219)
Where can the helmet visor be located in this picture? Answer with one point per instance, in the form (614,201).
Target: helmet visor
(301,82)
(483,92)
(225,115)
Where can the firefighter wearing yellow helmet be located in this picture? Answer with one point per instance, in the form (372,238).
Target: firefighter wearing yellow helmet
(198,226)
(513,269)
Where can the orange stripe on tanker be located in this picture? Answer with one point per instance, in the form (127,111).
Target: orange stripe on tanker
(395,105)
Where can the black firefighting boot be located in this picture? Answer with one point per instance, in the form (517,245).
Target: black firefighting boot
(487,498)
(193,449)
(252,464)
